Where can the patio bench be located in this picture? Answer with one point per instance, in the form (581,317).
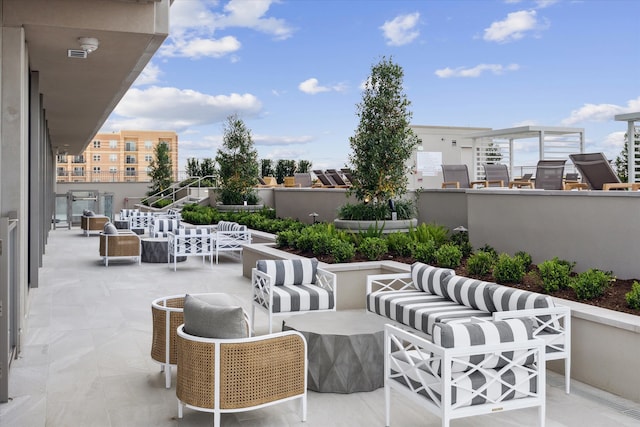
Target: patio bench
(429,295)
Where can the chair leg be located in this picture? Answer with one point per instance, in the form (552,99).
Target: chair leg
(253,320)
(387,404)
(303,403)
(180,407)
(567,375)
(167,376)
(216,418)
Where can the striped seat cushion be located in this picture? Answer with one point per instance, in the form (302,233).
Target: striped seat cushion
(470,292)
(429,279)
(481,333)
(162,226)
(288,298)
(521,384)
(290,271)
(419,310)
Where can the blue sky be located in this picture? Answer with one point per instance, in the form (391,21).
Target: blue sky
(293,70)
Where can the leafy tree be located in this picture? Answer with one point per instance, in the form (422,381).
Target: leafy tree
(285,168)
(193,167)
(238,162)
(266,165)
(622,161)
(207,167)
(160,169)
(383,141)
(304,166)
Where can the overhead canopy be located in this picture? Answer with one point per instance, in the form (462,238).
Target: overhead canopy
(553,143)
(631,119)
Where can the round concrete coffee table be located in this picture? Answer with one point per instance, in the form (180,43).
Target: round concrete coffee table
(156,250)
(345,350)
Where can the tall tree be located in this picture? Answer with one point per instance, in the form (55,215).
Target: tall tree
(383,141)
(304,166)
(238,162)
(160,169)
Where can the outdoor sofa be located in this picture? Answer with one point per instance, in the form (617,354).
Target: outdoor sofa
(429,296)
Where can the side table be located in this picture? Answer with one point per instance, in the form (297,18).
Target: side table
(156,250)
(345,350)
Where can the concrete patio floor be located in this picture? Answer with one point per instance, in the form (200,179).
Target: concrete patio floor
(85,356)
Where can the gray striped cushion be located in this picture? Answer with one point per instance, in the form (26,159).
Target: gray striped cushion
(525,384)
(287,298)
(506,299)
(470,292)
(481,333)
(192,240)
(429,279)
(290,271)
(225,226)
(418,309)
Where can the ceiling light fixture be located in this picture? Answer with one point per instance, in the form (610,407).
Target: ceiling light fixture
(88,44)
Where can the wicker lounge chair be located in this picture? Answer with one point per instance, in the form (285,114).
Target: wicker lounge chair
(497,175)
(92,222)
(549,175)
(123,244)
(241,374)
(597,172)
(457,176)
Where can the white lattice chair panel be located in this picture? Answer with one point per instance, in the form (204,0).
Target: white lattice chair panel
(140,221)
(160,227)
(470,369)
(190,242)
(231,237)
(291,286)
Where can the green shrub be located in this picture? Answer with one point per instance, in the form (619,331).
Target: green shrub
(373,248)
(480,263)
(526,259)
(424,252)
(461,240)
(161,203)
(342,251)
(448,256)
(399,243)
(591,283)
(508,269)
(287,238)
(375,211)
(321,243)
(633,297)
(555,275)
(425,232)
(489,249)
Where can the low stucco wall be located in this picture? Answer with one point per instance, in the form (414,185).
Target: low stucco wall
(596,229)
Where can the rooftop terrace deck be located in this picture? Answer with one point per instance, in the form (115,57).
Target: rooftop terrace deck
(86,361)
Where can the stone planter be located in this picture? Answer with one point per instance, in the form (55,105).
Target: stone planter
(390,226)
(239,208)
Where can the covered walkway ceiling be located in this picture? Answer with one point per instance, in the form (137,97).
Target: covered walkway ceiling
(79,94)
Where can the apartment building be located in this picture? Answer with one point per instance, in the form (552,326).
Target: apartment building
(117,157)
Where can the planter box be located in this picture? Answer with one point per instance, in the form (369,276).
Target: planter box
(605,343)
(390,226)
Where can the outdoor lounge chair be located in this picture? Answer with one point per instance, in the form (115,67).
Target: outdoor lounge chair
(348,174)
(549,175)
(324,179)
(497,175)
(597,172)
(337,179)
(267,182)
(119,244)
(457,176)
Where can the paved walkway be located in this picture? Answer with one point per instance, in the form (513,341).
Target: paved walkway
(85,359)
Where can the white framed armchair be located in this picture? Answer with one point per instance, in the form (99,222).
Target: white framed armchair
(291,286)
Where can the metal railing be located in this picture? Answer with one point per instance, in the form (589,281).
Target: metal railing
(9,300)
(172,192)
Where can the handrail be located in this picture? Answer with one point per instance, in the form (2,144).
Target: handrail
(175,187)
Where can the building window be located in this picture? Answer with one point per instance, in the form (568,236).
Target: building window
(61,172)
(113,143)
(96,169)
(130,171)
(130,159)
(130,146)
(96,157)
(78,171)
(113,157)
(78,159)
(61,158)
(148,145)
(96,144)
(113,169)
(148,158)
(148,169)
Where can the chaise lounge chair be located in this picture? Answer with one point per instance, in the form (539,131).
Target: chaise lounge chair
(457,176)
(597,172)
(497,175)
(549,175)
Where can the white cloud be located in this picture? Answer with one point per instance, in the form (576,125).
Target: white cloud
(194,23)
(541,4)
(614,142)
(600,112)
(513,27)
(270,140)
(312,86)
(149,75)
(178,109)
(476,71)
(401,30)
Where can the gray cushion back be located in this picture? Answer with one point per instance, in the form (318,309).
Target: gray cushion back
(429,279)
(470,292)
(290,271)
(214,316)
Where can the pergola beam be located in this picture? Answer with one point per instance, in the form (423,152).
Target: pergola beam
(631,119)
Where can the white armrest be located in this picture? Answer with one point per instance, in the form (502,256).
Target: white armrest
(389,282)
